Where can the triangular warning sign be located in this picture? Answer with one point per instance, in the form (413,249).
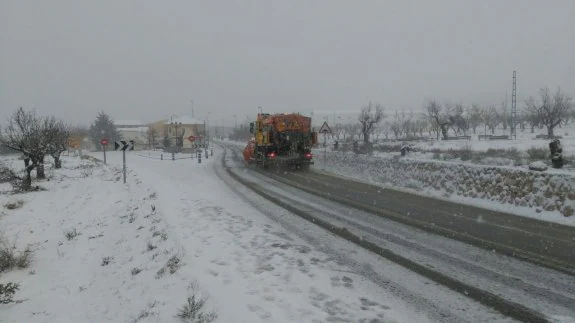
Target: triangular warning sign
(324,128)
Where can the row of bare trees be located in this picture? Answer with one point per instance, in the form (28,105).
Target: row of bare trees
(549,111)
(35,137)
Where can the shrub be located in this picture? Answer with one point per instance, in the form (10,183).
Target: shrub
(535,153)
(148,312)
(14,205)
(71,234)
(106,260)
(173,264)
(9,258)
(465,154)
(7,175)
(7,292)
(192,311)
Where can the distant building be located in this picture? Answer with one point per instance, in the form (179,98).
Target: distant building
(133,130)
(128,123)
(178,130)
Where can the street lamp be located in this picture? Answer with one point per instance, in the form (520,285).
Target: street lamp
(208,125)
(175,124)
(222,136)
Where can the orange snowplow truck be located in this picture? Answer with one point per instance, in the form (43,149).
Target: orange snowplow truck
(283,140)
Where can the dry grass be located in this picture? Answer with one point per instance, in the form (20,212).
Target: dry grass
(14,205)
(10,258)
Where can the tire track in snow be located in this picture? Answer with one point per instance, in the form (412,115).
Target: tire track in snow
(455,311)
(504,306)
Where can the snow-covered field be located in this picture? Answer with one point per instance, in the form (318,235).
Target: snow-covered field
(107,251)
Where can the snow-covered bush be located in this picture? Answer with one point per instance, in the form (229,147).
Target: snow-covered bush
(12,205)
(505,185)
(72,234)
(535,153)
(538,166)
(7,292)
(10,258)
(193,310)
(7,175)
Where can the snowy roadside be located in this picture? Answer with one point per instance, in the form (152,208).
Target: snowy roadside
(544,196)
(107,251)
(99,252)
(255,270)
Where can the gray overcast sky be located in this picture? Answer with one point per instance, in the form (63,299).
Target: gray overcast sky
(147,59)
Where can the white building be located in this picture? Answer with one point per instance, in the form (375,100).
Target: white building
(128,123)
(133,130)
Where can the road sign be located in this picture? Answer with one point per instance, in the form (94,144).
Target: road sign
(191,138)
(104,143)
(200,145)
(324,128)
(124,145)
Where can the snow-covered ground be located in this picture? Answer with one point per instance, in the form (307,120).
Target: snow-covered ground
(524,141)
(108,251)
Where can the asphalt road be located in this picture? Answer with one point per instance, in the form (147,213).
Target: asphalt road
(513,287)
(544,243)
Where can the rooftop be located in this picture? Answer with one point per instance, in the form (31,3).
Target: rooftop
(139,129)
(128,123)
(184,120)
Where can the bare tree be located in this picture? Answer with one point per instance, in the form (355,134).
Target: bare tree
(397,125)
(377,131)
(56,135)
(338,131)
(385,129)
(504,116)
(412,124)
(491,118)
(23,134)
(354,130)
(475,117)
(549,111)
(531,116)
(439,118)
(458,119)
(422,124)
(370,115)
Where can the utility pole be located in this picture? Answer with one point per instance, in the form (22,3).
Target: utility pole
(192,102)
(514,107)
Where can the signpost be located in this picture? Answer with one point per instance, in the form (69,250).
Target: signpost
(104,143)
(124,145)
(325,129)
